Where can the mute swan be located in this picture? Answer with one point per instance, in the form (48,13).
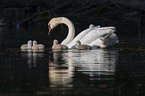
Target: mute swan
(81,47)
(90,36)
(57,46)
(27,46)
(37,46)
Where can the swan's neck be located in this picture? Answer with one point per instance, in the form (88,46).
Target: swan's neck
(71,31)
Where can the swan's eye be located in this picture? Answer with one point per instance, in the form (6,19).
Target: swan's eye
(49,26)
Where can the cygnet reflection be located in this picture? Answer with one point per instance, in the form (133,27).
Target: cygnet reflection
(32,58)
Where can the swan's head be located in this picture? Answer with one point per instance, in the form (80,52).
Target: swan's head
(34,42)
(55,42)
(54,22)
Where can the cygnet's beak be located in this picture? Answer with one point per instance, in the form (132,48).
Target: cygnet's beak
(49,29)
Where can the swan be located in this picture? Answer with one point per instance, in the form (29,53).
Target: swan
(37,46)
(90,36)
(27,46)
(57,46)
(81,47)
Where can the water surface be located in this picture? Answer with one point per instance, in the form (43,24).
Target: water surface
(106,72)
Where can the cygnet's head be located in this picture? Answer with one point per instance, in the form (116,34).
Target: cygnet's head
(29,42)
(91,26)
(34,42)
(78,42)
(55,42)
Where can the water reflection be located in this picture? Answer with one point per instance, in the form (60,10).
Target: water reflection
(97,64)
(61,70)
(32,56)
(69,71)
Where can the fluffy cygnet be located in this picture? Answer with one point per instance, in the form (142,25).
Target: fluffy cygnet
(37,46)
(27,46)
(57,46)
(82,47)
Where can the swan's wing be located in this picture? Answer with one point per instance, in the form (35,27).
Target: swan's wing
(98,42)
(79,37)
(90,34)
(94,34)
(109,40)
(103,28)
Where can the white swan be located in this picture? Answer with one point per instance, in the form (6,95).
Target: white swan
(37,46)
(57,46)
(27,46)
(82,47)
(90,36)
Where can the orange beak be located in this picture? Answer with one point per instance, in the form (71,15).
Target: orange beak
(49,29)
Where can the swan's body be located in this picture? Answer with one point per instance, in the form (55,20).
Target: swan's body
(57,46)
(27,46)
(90,36)
(37,46)
(82,47)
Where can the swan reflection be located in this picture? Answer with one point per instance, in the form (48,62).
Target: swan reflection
(61,69)
(94,63)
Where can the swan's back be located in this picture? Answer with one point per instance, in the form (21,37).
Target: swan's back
(95,34)
(91,34)
(109,39)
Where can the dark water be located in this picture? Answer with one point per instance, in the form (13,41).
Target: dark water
(103,72)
